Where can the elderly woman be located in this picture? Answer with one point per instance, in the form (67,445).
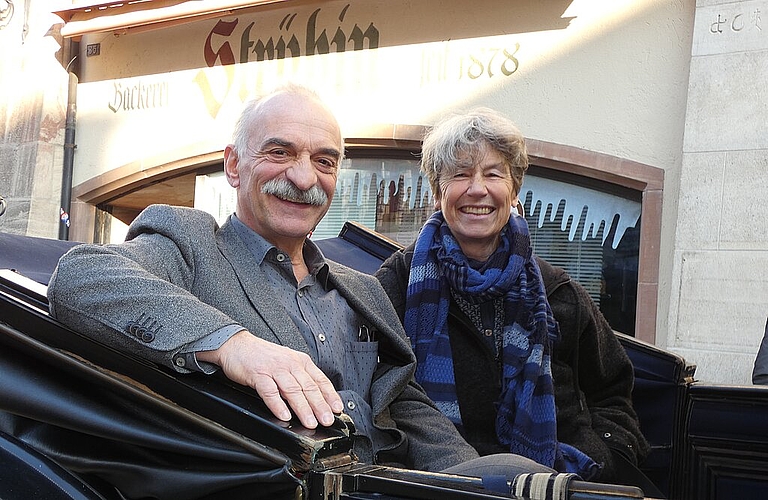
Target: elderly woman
(483,312)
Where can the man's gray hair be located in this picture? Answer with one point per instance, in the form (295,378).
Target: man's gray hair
(241,134)
(455,141)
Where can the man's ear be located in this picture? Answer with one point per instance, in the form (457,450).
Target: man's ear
(231,164)
(437,203)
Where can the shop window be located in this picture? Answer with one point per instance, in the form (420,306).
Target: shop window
(386,194)
(592,230)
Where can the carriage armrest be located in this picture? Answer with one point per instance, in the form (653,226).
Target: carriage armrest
(87,369)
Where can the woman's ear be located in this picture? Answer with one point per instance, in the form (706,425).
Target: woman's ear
(518,206)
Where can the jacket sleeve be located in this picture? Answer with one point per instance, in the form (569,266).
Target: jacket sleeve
(604,379)
(135,296)
(760,371)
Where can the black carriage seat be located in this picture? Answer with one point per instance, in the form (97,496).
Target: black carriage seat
(117,421)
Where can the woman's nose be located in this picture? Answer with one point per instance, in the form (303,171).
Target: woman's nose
(476,185)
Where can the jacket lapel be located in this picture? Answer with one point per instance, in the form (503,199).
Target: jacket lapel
(358,296)
(255,285)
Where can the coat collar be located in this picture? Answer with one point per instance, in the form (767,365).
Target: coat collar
(253,281)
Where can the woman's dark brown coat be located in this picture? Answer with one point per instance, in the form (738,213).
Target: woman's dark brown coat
(592,374)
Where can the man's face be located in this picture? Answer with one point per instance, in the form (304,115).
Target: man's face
(295,142)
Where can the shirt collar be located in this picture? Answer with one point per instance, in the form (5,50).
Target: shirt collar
(260,247)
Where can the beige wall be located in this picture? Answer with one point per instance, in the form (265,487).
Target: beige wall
(605,76)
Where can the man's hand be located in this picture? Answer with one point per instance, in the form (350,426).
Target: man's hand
(279,375)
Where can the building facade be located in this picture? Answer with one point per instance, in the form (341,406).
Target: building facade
(644,120)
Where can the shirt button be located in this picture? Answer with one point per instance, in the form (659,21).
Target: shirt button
(321,337)
(300,293)
(488,332)
(280,257)
(351,405)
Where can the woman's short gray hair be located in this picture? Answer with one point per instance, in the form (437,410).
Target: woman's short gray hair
(449,145)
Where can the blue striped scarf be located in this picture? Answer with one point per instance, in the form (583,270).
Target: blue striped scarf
(525,421)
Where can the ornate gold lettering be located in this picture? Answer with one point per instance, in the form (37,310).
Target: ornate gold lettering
(315,39)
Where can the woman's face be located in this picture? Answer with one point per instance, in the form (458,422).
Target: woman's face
(476,201)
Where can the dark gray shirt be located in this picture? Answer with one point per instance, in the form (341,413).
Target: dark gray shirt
(340,344)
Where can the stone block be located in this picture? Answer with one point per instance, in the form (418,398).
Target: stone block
(707,3)
(47,174)
(726,102)
(23,177)
(728,27)
(16,217)
(744,208)
(699,205)
(722,301)
(8,165)
(24,124)
(713,367)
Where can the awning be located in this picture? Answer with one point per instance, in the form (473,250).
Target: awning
(140,15)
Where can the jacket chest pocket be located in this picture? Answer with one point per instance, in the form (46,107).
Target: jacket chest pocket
(360,361)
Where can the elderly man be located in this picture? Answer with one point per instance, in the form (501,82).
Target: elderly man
(257,299)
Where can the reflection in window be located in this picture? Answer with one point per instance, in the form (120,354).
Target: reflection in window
(388,195)
(592,234)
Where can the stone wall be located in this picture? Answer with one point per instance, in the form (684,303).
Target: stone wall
(33,100)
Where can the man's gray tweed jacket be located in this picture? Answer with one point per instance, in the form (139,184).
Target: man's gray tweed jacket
(179,277)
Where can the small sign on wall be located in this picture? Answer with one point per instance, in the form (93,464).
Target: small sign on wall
(92,49)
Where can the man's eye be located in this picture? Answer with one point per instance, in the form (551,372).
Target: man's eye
(277,155)
(326,162)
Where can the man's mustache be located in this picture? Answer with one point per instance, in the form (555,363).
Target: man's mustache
(286,190)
